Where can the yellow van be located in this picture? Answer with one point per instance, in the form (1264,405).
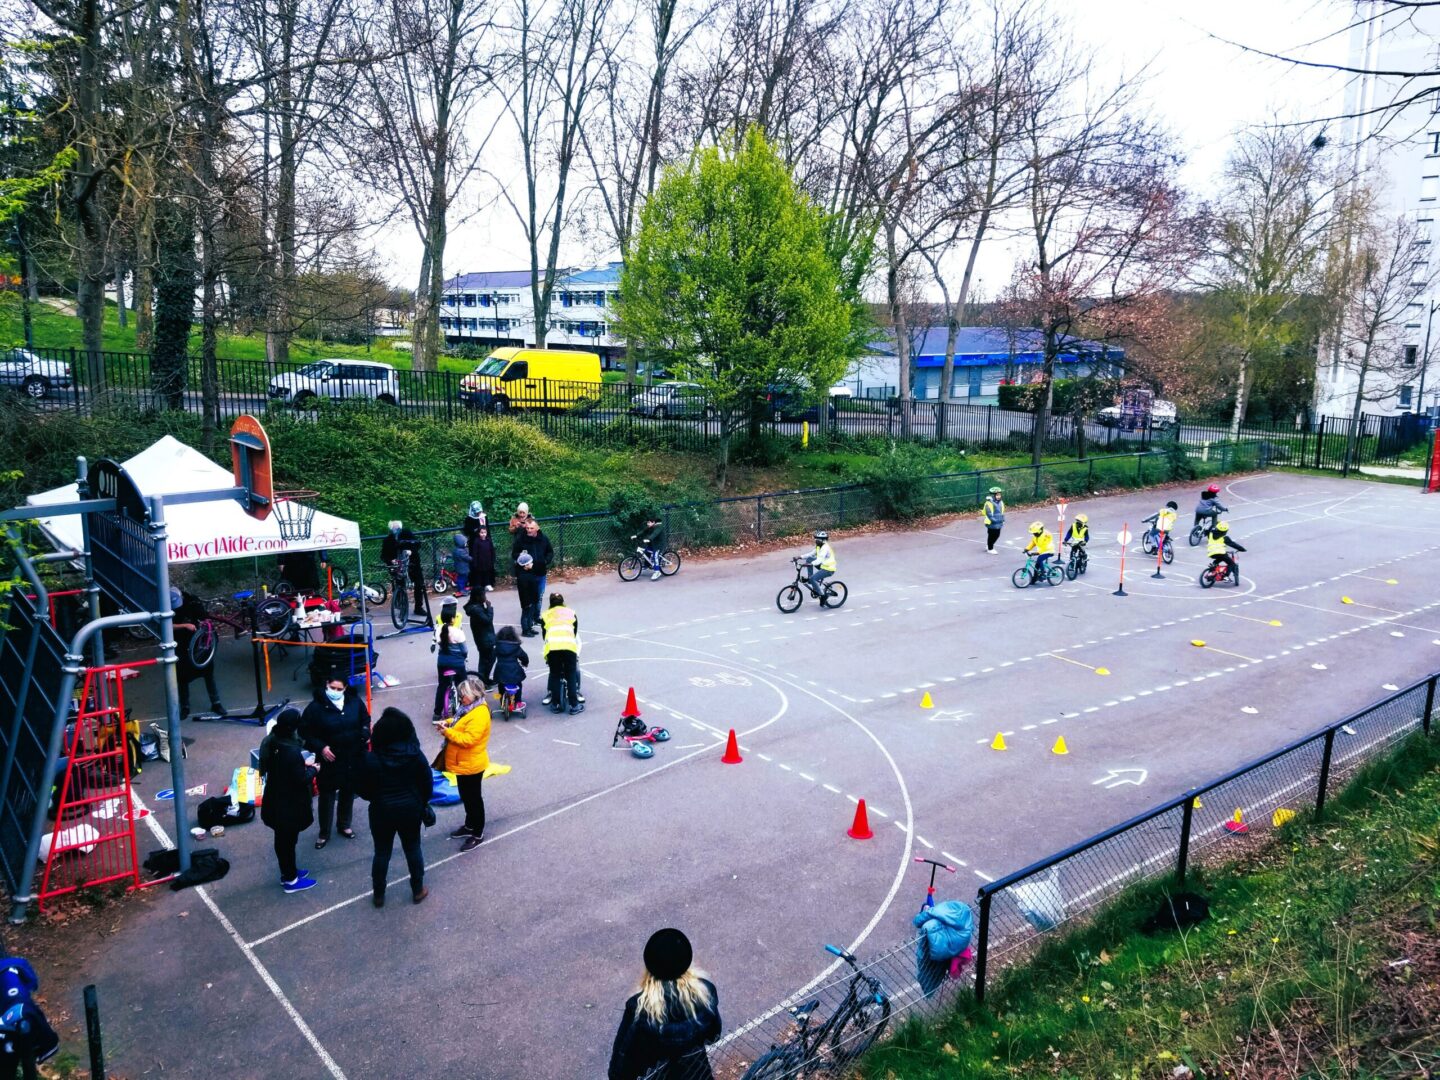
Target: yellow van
(513,378)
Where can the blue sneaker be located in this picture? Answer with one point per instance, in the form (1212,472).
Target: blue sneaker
(303,873)
(300,884)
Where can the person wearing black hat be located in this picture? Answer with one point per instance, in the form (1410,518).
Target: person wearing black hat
(667,1024)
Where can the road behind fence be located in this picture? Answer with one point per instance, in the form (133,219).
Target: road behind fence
(619,415)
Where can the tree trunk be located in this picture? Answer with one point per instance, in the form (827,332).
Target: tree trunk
(1242,396)
(143,295)
(85,196)
(947,375)
(422,315)
(1047,397)
(120,314)
(900,329)
(1352,437)
(28,291)
(278,329)
(174,302)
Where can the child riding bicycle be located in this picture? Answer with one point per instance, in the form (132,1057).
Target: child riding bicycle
(450,653)
(1041,545)
(652,540)
(1209,509)
(1218,541)
(1078,535)
(821,562)
(1162,521)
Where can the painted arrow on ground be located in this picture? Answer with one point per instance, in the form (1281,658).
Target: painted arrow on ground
(949,714)
(1117,777)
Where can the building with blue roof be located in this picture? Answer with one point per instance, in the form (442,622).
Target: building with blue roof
(985,356)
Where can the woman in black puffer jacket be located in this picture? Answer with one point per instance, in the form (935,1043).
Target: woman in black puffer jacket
(667,1024)
(395,779)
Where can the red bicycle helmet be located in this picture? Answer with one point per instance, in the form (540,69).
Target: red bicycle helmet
(1213,489)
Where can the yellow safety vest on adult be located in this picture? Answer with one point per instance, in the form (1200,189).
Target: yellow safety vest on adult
(824,557)
(560,630)
(467,742)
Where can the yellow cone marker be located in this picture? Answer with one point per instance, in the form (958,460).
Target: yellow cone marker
(1102,671)
(1276,622)
(1281,816)
(1197,643)
(1196,803)
(1391,581)
(1346,600)
(926,702)
(999,742)
(1060,747)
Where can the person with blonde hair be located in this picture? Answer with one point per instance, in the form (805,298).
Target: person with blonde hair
(467,755)
(667,1024)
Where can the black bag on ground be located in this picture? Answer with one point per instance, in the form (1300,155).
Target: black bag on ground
(205,865)
(1177,912)
(220,811)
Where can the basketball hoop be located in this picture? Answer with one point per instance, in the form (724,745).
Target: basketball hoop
(294,510)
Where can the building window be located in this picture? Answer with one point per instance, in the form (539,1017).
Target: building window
(1433,144)
(1414,314)
(1412,354)
(1423,228)
(1419,272)
(1429,188)
(1405,394)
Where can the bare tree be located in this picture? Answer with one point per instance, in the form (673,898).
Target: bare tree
(1391,268)
(418,119)
(1268,234)
(556,66)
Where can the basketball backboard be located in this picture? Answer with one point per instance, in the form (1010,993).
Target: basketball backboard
(250,459)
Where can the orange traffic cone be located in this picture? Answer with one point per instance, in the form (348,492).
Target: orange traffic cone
(732,751)
(631,708)
(860,827)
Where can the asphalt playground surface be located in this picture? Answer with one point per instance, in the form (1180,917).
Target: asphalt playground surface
(519,962)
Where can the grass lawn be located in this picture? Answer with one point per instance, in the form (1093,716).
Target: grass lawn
(1321,959)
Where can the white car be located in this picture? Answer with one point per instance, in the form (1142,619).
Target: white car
(338,380)
(1163,414)
(32,374)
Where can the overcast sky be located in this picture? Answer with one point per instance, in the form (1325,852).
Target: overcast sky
(1202,88)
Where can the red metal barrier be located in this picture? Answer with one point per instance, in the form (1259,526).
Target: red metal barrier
(93,842)
(1432,477)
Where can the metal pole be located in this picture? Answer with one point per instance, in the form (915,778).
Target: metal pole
(1188,816)
(1324,773)
(982,954)
(42,615)
(166,628)
(92,1033)
(92,590)
(759,518)
(1424,719)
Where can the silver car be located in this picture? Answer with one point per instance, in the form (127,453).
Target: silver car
(672,400)
(339,380)
(34,375)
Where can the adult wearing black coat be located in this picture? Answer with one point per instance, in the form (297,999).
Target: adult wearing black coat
(530,576)
(335,727)
(395,778)
(482,633)
(666,1026)
(397,539)
(286,808)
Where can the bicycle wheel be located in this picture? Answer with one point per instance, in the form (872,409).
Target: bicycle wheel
(1147,544)
(1072,568)
(1207,578)
(1196,535)
(1169,553)
(272,616)
(630,567)
(338,579)
(399,609)
(775,1064)
(202,644)
(1021,578)
(377,593)
(283,588)
(1055,574)
(1083,563)
(789,599)
(861,1028)
(440,586)
(669,563)
(835,594)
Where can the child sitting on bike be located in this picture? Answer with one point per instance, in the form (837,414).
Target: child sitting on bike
(1041,545)
(1163,521)
(1208,509)
(1218,541)
(821,562)
(1078,535)
(450,652)
(510,664)
(652,540)
(460,562)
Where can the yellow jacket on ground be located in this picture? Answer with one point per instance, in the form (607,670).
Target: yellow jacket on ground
(467,742)
(560,627)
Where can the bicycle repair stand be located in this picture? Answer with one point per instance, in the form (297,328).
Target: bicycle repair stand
(414,624)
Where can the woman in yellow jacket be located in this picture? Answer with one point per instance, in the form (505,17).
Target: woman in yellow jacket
(467,755)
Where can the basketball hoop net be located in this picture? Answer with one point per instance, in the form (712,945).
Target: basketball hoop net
(294,510)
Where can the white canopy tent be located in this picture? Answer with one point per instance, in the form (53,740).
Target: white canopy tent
(204,531)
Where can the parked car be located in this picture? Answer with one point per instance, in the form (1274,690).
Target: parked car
(34,376)
(648,372)
(672,400)
(338,380)
(794,404)
(513,378)
(1163,415)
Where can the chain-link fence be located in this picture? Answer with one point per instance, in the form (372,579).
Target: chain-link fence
(823,1028)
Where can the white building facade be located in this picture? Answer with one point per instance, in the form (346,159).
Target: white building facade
(496,308)
(1398,154)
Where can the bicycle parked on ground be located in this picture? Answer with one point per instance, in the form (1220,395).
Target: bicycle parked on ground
(1030,574)
(666,562)
(400,590)
(1079,562)
(827,1049)
(831,594)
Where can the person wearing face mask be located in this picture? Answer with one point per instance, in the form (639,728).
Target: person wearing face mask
(400,539)
(335,727)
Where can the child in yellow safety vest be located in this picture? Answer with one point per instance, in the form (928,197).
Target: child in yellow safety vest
(1217,541)
(561,627)
(821,561)
(1163,521)
(1078,535)
(1041,545)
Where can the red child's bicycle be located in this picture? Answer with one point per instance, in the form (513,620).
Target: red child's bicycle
(1218,573)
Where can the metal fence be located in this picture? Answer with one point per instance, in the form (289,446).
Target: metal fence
(1020,910)
(670,416)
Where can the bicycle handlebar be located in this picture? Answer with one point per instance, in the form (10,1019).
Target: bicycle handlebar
(835,950)
(932,862)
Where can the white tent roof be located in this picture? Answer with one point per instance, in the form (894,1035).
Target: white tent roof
(205,531)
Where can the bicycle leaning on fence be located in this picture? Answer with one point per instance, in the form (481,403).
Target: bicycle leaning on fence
(851,1030)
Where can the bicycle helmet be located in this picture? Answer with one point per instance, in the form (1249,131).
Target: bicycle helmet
(822,536)
(1037,527)
(1083,519)
(1213,489)
(1172,505)
(525,561)
(1222,527)
(997,490)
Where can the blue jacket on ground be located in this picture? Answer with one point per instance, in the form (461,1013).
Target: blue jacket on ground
(945,932)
